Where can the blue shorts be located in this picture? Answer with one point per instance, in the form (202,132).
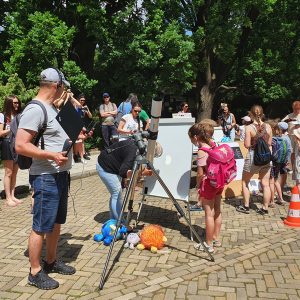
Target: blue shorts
(50,200)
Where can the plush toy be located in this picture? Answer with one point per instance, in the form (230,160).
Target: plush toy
(107,232)
(152,238)
(132,240)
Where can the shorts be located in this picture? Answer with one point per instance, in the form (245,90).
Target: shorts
(250,167)
(275,169)
(6,153)
(50,200)
(208,192)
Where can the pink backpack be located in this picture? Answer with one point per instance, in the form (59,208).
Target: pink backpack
(221,165)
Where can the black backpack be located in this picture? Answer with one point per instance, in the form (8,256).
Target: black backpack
(262,153)
(25,162)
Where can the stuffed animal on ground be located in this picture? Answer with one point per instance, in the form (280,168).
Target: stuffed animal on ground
(132,240)
(107,232)
(152,238)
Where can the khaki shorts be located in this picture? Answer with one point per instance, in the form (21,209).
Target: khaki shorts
(251,168)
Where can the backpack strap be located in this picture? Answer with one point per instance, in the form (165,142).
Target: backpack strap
(41,131)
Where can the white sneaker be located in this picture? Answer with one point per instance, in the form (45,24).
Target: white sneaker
(201,248)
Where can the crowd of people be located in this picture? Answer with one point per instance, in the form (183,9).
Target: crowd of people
(49,171)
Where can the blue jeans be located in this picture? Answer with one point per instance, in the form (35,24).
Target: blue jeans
(50,200)
(113,184)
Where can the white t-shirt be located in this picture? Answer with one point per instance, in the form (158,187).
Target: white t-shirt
(32,118)
(131,124)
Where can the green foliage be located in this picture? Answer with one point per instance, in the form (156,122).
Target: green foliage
(15,86)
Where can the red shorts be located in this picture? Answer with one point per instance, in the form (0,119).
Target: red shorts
(207,191)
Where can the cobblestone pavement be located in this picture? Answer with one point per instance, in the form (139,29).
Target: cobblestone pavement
(259,257)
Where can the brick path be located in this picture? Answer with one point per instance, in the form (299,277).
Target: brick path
(259,257)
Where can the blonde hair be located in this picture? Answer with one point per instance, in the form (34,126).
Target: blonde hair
(254,115)
(204,132)
(276,130)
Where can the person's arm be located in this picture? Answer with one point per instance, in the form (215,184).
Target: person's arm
(121,127)
(201,164)
(3,132)
(115,111)
(269,130)
(87,112)
(233,121)
(247,140)
(25,147)
(104,114)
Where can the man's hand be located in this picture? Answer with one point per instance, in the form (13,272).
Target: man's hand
(60,158)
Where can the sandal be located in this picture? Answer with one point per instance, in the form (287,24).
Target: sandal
(272,205)
(280,202)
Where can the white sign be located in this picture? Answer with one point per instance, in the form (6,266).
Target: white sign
(174,166)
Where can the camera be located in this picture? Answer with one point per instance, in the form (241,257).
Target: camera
(138,138)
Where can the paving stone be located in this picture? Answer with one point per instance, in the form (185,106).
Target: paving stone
(259,258)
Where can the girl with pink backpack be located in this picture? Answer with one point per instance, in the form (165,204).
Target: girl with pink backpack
(216,167)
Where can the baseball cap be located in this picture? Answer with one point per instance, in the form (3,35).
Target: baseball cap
(246,119)
(283,125)
(54,75)
(105,95)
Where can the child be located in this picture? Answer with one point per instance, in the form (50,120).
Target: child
(201,136)
(276,167)
(284,171)
(198,205)
(240,130)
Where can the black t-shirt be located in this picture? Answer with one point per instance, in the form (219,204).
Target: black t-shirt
(118,158)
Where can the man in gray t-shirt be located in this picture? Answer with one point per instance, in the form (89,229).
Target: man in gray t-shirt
(49,177)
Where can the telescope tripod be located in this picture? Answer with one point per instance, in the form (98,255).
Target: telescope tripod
(129,191)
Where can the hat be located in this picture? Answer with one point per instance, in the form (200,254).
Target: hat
(54,75)
(246,119)
(105,95)
(283,125)
(297,122)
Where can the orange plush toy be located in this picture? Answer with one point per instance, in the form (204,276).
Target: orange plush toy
(152,238)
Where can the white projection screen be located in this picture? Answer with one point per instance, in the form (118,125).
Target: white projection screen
(174,166)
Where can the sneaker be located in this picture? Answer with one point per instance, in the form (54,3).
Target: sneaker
(200,247)
(60,267)
(217,243)
(195,207)
(42,281)
(262,211)
(85,156)
(243,209)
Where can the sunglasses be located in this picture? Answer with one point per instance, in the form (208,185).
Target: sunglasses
(186,106)
(15,102)
(137,111)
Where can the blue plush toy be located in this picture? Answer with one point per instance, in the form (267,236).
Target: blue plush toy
(108,230)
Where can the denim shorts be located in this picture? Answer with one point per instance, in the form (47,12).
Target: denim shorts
(50,200)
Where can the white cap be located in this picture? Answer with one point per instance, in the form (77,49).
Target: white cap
(246,119)
(54,75)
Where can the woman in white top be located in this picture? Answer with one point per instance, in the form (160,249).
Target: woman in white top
(12,106)
(131,123)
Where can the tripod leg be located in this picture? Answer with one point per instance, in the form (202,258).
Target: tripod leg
(127,194)
(179,209)
(131,198)
(140,208)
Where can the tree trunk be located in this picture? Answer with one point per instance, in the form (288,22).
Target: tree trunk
(206,99)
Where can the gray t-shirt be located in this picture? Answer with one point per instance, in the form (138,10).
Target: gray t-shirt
(32,118)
